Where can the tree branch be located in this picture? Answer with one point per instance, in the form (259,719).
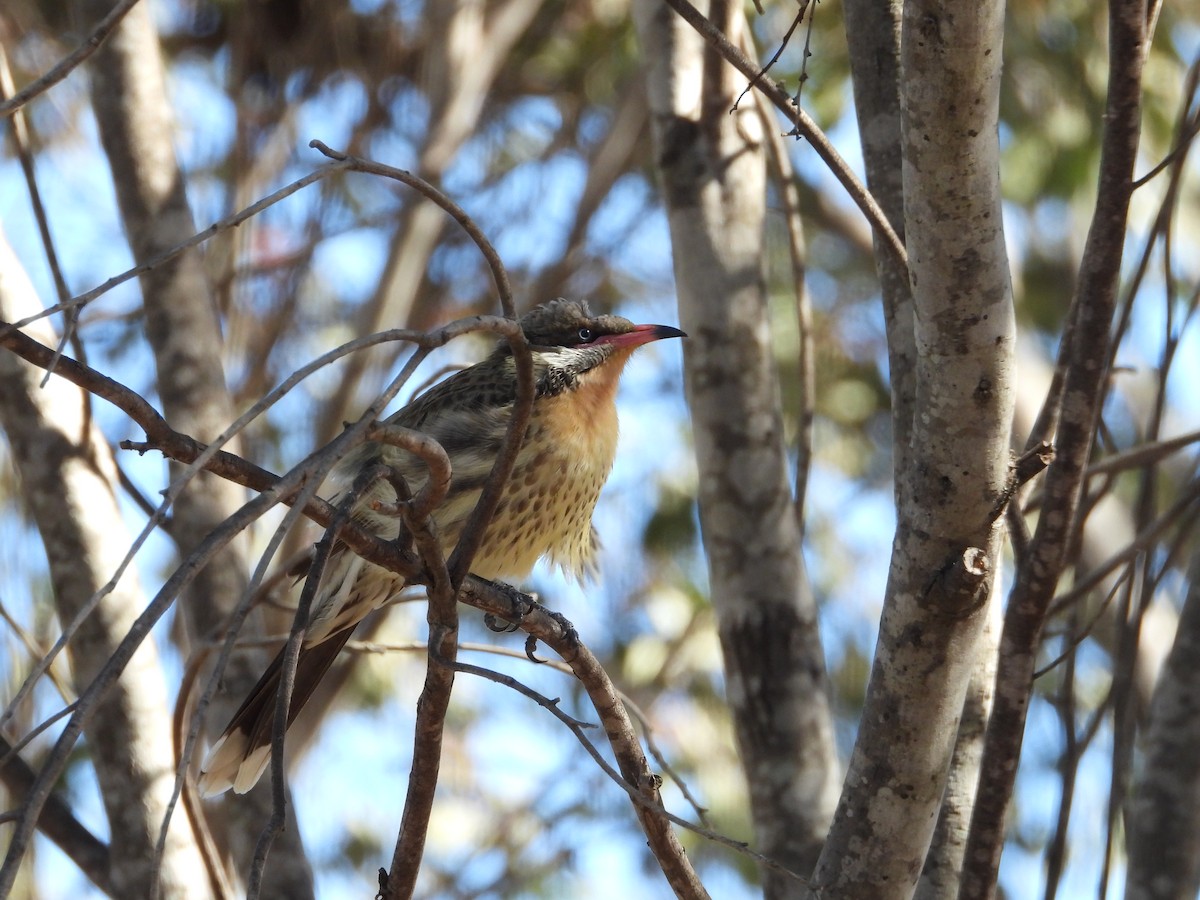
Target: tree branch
(1086,357)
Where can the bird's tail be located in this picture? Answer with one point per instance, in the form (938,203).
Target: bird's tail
(241,753)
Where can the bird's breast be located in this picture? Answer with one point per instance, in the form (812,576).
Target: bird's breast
(548,503)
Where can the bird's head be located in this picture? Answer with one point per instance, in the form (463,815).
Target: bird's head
(571,342)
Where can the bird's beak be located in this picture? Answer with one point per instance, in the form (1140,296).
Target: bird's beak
(641,334)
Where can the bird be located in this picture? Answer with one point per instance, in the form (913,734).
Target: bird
(545,509)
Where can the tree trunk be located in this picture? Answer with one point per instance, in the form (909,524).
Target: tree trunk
(954,470)
(135,122)
(68,479)
(714,184)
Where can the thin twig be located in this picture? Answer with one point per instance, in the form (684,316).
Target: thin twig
(789,197)
(68,63)
(775,57)
(804,126)
(635,793)
(539,623)
(230,221)
(442,618)
(20,136)
(1143,542)
(287,678)
(472,533)
(1144,454)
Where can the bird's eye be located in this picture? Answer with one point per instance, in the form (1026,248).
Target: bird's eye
(586,335)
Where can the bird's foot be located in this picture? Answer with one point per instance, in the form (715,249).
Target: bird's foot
(570,635)
(523,605)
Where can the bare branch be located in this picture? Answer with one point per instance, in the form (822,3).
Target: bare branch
(68,63)
(1086,354)
(509,604)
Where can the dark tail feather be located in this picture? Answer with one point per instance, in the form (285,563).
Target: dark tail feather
(240,755)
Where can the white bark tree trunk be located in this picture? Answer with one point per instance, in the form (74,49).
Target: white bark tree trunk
(68,481)
(714,183)
(955,467)
(135,122)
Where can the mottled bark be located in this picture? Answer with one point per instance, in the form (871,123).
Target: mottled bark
(873,39)
(713,174)
(943,865)
(67,481)
(946,549)
(1084,360)
(1164,820)
(135,124)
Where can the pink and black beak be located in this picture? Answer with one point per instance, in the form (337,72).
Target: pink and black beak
(641,334)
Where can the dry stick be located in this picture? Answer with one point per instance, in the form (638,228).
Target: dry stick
(20,136)
(429,725)
(1160,230)
(804,125)
(1135,600)
(1190,126)
(787,37)
(185,788)
(789,195)
(1069,768)
(640,716)
(665,766)
(442,616)
(456,212)
(1093,307)
(1144,454)
(1141,543)
(64,67)
(1079,635)
(37,729)
(35,652)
